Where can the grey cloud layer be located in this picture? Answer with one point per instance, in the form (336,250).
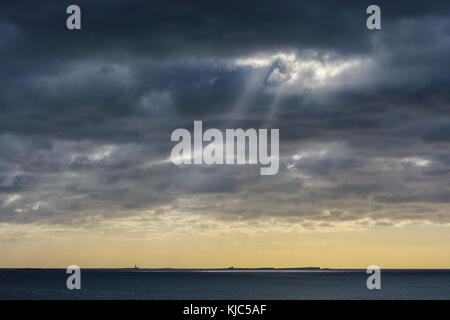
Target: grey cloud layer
(86,117)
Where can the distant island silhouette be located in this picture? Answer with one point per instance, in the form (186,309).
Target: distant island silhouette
(231,268)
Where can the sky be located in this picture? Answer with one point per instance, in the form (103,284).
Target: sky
(86,118)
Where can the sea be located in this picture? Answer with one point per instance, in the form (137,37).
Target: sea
(49,284)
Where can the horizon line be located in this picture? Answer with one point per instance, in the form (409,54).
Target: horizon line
(226,268)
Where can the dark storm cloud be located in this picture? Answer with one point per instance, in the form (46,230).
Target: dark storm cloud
(205,27)
(86,116)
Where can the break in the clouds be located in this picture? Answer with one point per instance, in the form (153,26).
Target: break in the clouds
(86,116)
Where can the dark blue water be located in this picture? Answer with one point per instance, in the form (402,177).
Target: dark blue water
(145,284)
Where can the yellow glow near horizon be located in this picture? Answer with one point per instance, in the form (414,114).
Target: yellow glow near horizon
(420,246)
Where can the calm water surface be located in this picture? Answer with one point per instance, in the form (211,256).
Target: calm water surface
(148,284)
